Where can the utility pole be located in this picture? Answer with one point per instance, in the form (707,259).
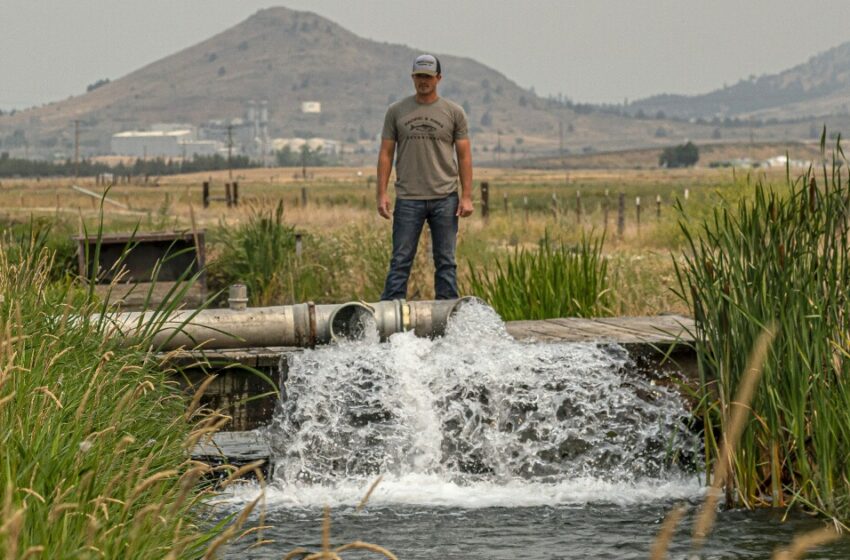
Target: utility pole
(76,150)
(561,141)
(561,150)
(230,151)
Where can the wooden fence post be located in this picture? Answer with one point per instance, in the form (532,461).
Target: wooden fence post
(525,206)
(235,193)
(658,207)
(621,215)
(555,205)
(578,207)
(298,244)
(485,200)
(303,197)
(228,195)
(637,212)
(206,195)
(505,201)
(605,206)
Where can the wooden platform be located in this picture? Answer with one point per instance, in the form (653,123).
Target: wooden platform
(661,330)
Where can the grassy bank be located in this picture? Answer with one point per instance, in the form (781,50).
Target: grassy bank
(94,439)
(780,258)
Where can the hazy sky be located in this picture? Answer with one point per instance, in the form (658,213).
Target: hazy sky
(590,50)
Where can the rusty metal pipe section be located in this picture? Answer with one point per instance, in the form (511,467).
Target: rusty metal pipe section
(425,318)
(301,325)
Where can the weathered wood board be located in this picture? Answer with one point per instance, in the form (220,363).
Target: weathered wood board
(658,330)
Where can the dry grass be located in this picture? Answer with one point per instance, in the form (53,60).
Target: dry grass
(340,206)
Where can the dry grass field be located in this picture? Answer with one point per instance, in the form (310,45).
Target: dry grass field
(525,206)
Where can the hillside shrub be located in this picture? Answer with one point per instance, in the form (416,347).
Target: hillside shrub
(683,155)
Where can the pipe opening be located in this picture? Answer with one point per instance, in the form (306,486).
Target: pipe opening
(464,301)
(353,321)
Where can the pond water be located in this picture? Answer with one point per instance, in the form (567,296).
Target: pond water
(488,448)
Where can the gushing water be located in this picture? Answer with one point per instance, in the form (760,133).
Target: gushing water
(476,418)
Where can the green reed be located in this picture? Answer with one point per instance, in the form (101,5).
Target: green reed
(94,438)
(554,280)
(781,257)
(261,253)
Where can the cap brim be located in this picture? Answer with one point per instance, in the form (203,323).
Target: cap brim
(424,73)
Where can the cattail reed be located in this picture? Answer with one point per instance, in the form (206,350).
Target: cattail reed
(781,256)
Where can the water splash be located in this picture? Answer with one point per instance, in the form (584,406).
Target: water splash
(476,411)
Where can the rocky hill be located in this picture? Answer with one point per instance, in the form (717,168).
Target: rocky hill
(817,88)
(287,57)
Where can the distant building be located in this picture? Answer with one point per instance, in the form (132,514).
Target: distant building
(163,143)
(171,127)
(311,107)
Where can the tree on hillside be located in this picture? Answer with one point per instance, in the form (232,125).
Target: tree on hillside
(683,155)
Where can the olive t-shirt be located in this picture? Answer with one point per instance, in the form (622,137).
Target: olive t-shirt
(425,135)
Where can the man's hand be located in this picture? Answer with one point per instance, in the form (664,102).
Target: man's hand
(384,206)
(385,165)
(464,207)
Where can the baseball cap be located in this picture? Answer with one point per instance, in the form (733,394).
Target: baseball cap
(426,64)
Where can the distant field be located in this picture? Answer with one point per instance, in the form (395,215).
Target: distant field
(647,158)
(525,206)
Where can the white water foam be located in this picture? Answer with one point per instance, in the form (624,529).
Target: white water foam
(475,419)
(434,491)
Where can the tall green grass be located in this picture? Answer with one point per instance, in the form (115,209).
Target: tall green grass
(348,264)
(554,280)
(94,437)
(18,238)
(780,257)
(259,253)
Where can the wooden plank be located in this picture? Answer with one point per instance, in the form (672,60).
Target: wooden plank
(234,446)
(662,329)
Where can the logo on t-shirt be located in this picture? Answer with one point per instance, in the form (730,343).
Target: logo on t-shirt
(423,127)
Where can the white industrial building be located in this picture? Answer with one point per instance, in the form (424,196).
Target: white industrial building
(163,143)
(311,107)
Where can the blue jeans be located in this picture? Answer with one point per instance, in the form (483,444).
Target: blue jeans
(408,218)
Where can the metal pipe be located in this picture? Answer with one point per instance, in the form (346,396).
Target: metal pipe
(301,325)
(424,318)
(238,297)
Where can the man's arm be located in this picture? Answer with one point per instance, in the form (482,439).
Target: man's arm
(385,166)
(464,160)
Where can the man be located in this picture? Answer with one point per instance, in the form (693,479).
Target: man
(428,131)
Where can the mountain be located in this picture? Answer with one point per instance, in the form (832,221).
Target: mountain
(817,88)
(285,58)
